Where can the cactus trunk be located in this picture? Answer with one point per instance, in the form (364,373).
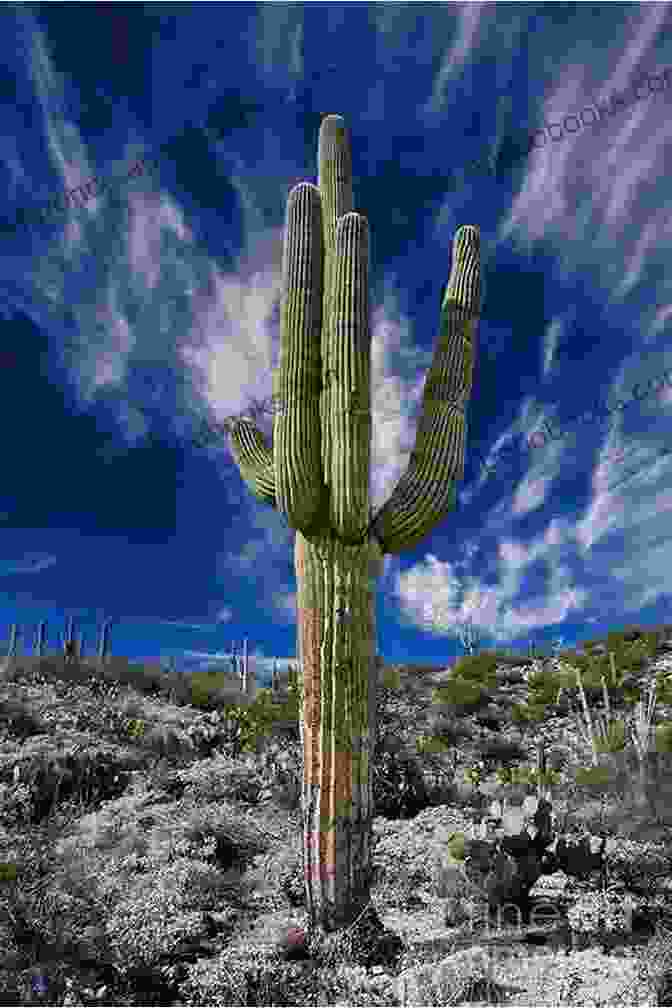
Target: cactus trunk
(316,473)
(337,657)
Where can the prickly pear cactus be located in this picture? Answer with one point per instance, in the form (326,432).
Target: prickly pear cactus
(317,475)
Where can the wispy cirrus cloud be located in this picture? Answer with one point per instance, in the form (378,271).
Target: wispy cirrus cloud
(32,564)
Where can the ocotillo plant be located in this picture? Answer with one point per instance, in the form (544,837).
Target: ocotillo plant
(316,473)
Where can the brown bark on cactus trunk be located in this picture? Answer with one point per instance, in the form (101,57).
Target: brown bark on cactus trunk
(337,649)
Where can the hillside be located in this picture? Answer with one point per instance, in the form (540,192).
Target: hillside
(146,859)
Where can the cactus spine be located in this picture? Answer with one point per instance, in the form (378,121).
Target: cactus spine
(316,473)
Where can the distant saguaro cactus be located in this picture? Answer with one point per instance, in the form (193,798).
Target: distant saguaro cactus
(69,642)
(15,634)
(41,635)
(104,642)
(316,473)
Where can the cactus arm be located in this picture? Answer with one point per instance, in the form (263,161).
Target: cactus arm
(427,490)
(348,446)
(254,459)
(300,487)
(334,162)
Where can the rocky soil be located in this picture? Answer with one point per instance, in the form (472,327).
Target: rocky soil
(151,868)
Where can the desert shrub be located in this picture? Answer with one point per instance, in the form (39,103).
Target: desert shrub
(143,894)
(392,720)
(431,745)
(8,871)
(632,650)
(500,752)
(148,919)
(663,734)
(85,777)
(216,778)
(504,658)
(108,848)
(570,655)
(243,978)
(447,728)
(19,719)
(613,740)
(462,695)
(164,739)
(251,726)
(399,790)
(17,806)
(132,707)
(592,668)
(617,639)
(595,913)
(511,675)
(650,638)
(543,685)
(286,713)
(527,776)
(640,866)
(457,846)
(477,668)
(463,976)
(205,687)
(663,687)
(281,765)
(637,655)
(525,715)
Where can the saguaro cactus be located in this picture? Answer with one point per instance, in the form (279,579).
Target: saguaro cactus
(104,642)
(316,473)
(41,636)
(69,642)
(15,634)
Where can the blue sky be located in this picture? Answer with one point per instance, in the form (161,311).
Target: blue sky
(154,307)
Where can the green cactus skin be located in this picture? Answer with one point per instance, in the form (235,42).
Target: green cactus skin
(317,475)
